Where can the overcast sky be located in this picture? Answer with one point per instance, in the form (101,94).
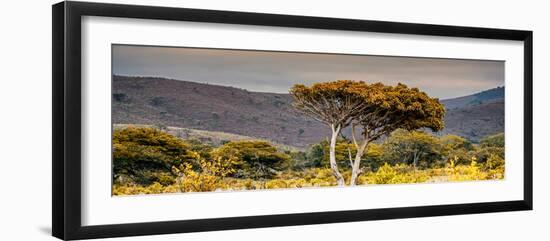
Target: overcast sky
(266,71)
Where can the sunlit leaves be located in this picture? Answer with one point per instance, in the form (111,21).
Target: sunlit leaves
(256,159)
(142,153)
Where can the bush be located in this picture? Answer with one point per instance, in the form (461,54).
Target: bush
(119,97)
(254,159)
(397,174)
(142,153)
(484,153)
(314,155)
(457,148)
(496,140)
(277,183)
(207,178)
(416,148)
(202,148)
(467,172)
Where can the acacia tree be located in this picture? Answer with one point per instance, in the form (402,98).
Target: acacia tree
(377,109)
(257,159)
(411,147)
(391,108)
(334,103)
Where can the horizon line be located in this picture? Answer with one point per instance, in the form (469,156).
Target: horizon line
(235,87)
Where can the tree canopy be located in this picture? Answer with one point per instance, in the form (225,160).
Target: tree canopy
(398,107)
(257,159)
(381,109)
(138,151)
(332,103)
(412,147)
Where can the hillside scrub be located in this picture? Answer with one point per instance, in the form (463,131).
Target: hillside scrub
(148,160)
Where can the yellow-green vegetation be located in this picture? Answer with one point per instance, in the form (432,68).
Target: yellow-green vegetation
(150,161)
(212,137)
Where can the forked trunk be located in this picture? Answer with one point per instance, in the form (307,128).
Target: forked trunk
(356,166)
(332,156)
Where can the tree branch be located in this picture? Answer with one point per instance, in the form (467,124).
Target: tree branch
(353,135)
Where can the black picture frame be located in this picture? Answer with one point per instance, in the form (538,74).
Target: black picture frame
(66,128)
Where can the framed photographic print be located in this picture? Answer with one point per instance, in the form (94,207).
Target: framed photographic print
(169,120)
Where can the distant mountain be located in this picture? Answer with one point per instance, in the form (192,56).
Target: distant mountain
(475,121)
(492,95)
(475,116)
(184,104)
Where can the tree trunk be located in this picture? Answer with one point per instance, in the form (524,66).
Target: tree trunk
(355,168)
(332,156)
(415,159)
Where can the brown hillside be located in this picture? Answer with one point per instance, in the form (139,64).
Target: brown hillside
(214,108)
(154,101)
(476,121)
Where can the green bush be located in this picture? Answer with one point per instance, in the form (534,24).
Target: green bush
(457,148)
(496,140)
(143,153)
(416,148)
(256,159)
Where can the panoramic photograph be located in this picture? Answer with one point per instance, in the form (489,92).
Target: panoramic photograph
(221,120)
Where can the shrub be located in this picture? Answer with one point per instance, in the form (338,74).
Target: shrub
(484,153)
(314,155)
(119,97)
(467,172)
(202,148)
(253,159)
(417,148)
(158,101)
(496,140)
(207,178)
(495,167)
(140,153)
(276,183)
(397,174)
(457,148)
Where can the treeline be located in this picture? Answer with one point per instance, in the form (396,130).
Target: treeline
(416,148)
(147,155)
(148,160)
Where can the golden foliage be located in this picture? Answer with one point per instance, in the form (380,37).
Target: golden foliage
(379,108)
(145,155)
(207,178)
(197,181)
(253,159)
(398,174)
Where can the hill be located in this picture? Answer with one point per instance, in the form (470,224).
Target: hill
(184,104)
(475,121)
(475,116)
(487,96)
(213,108)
